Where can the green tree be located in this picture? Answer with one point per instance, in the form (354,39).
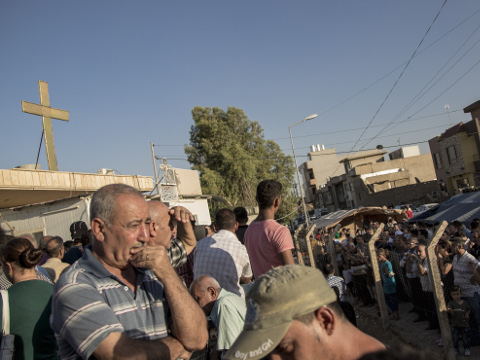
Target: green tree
(232,156)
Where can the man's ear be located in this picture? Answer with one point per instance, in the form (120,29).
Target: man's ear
(236,226)
(213,292)
(326,319)
(277,201)
(98,229)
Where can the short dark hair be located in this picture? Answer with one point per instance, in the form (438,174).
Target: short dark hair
(455,288)
(328,269)
(458,241)
(54,246)
(241,214)
(225,219)
(267,192)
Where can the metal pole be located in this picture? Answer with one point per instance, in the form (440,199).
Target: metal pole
(298,179)
(154,167)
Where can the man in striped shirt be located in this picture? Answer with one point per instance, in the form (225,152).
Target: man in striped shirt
(124,291)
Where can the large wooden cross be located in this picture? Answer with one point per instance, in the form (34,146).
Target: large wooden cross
(47,113)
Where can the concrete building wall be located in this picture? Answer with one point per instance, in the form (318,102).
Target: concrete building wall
(416,194)
(323,165)
(188,182)
(404,152)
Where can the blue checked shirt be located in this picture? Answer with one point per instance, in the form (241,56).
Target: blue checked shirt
(224,258)
(339,283)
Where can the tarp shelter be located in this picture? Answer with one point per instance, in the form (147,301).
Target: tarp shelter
(462,207)
(357,218)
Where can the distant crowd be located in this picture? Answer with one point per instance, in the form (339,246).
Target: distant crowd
(138,284)
(401,250)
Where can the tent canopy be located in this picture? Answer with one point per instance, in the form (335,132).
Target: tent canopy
(462,207)
(357,218)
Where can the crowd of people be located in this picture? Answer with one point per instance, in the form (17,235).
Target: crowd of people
(138,284)
(401,250)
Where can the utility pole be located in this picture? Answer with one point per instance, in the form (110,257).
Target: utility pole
(154,167)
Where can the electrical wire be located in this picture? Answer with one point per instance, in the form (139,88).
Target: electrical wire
(398,79)
(400,76)
(419,95)
(398,67)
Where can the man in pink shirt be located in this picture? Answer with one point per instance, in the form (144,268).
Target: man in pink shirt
(268,243)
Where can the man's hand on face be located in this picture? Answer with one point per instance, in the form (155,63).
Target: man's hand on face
(181,214)
(151,257)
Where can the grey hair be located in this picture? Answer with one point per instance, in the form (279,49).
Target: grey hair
(203,282)
(104,200)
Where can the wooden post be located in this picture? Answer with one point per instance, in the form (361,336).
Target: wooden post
(309,246)
(333,251)
(378,279)
(297,245)
(434,277)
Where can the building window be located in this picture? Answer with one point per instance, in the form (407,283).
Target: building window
(463,183)
(452,155)
(437,160)
(312,176)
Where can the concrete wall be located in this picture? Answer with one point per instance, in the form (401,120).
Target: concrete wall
(53,218)
(324,164)
(416,194)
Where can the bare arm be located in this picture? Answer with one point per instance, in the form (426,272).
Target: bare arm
(120,346)
(420,268)
(286,257)
(185,231)
(189,324)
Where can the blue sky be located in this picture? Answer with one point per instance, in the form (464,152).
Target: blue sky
(129,73)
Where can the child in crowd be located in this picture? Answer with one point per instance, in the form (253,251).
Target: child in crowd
(460,311)
(388,280)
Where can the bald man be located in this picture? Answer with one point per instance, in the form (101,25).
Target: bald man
(164,222)
(225,309)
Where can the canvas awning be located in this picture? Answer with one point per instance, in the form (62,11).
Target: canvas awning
(357,218)
(20,187)
(462,207)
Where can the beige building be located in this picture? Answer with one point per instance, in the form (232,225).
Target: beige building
(455,154)
(322,164)
(366,175)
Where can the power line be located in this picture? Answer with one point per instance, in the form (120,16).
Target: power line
(389,135)
(398,79)
(360,128)
(399,66)
(400,76)
(419,95)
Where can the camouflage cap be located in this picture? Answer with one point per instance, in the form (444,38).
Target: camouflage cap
(276,299)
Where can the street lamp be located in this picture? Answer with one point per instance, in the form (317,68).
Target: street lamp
(313,116)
